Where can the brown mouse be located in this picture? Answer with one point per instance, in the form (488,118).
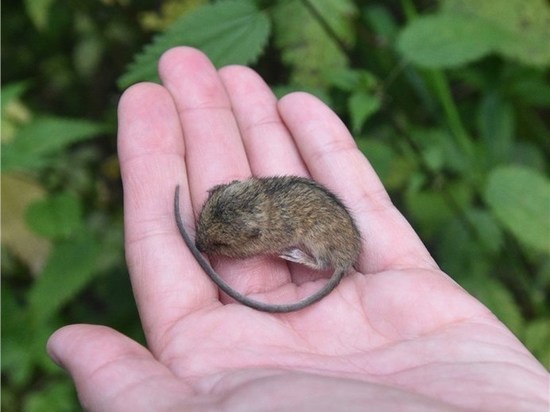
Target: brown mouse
(292,217)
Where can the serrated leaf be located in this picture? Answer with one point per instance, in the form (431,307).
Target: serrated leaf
(55,217)
(442,40)
(524,25)
(305,44)
(17,194)
(36,141)
(70,267)
(520,199)
(229,32)
(362,105)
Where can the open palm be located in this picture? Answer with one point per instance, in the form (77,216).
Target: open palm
(399,333)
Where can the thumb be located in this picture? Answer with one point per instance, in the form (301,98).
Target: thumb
(114,373)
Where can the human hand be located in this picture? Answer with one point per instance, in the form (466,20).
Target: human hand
(399,334)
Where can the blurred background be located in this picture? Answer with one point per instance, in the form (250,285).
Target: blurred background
(449,100)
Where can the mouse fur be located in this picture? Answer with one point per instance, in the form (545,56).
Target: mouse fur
(288,216)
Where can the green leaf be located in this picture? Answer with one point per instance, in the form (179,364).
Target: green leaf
(229,32)
(536,338)
(70,267)
(12,91)
(56,217)
(382,21)
(442,40)
(497,298)
(13,112)
(362,105)
(305,44)
(35,142)
(381,156)
(53,396)
(17,357)
(38,11)
(487,230)
(466,30)
(497,127)
(520,199)
(430,208)
(524,25)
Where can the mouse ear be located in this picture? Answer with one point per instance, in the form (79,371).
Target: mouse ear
(215,189)
(231,187)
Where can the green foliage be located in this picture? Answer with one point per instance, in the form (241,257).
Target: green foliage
(35,144)
(70,266)
(230,32)
(449,105)
(520,199)
(306,45)
(57,217)
(466,30)
(446,40)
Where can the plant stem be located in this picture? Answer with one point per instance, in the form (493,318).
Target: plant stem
(326,27)
(443,92)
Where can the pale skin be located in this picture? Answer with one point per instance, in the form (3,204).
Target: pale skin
(398,333)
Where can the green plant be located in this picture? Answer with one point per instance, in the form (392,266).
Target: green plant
(448,102)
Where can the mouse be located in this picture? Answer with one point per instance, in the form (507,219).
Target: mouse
(292,217)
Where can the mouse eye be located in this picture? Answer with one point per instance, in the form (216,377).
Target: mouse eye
(253,233)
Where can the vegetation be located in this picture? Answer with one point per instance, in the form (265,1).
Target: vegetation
(449,100)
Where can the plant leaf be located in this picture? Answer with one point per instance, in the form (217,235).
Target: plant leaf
(17,194)
(229,32)
(520,199)
(497,127)
(56,217)
(35,141)
(305,44)
(443,40)
(536,338)
(524,25)
(70,267)
(466,30)
(497,298)
(362,105)
(38,11)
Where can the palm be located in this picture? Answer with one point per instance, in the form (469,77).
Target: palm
(404,324)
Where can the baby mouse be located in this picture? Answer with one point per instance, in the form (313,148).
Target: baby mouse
(292,217)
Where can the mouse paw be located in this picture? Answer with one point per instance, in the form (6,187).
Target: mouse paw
(299,256)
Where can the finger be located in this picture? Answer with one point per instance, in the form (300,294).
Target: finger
(165,277)
(269,146)
(214,151)
(112,372)
(333,158)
